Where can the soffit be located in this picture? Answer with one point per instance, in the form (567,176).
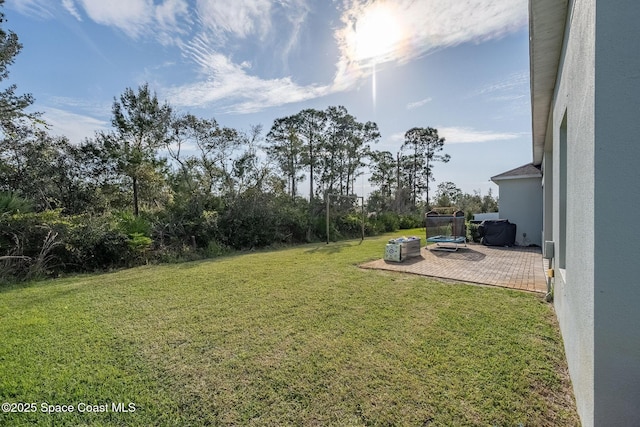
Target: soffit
(546,34)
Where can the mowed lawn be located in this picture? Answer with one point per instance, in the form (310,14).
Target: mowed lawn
(298,336)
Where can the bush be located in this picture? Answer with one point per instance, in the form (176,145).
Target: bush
(31,244)
(47,244)
(187,219)
(349,225)
(410,221)
(320,228)
(96,243)
(139,244)
(291,220)
(216,249)
(11,203)
(247,222)
(389,221)
(473,233)
(257,219)
(130,224)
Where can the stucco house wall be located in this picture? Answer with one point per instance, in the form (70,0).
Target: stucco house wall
(572,126)
(521,203)
(517,198)
(617,188)
(590,170)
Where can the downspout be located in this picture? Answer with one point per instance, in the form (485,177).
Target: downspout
(549,295)
(548,253)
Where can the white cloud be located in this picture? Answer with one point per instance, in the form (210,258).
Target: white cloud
(90,108)
(167,14)
(163,20)
(459,135)
(74,126)
(129,16)
(230,86)
(296,13)
(426,26)
(234,86)
(136,18)
(41,9)
(418,104)
(510,94)
(391,142)
(240,18)
(70,6)
(218,26)
(514,85)
(397,137)
(75,118)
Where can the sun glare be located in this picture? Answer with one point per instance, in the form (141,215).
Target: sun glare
(377,33)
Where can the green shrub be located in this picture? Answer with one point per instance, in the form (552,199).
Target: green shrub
(350,224)
(291,221)
(47,244)
(11,203)
(208,224)
(389,221)
(139,244)
(407,222)
(96,243)
(257,219)
(31,244)
(473,233)
(216,249)
(130,224)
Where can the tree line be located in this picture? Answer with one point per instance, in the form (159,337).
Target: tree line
(165,185)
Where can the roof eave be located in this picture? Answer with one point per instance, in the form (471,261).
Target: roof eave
(510,178)
(547,20)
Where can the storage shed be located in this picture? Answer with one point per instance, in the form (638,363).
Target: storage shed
(520,192)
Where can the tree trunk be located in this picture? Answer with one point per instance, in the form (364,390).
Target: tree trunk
(310,213)
(311,161)
(135,196)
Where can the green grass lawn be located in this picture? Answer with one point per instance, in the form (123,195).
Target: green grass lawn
(297,336)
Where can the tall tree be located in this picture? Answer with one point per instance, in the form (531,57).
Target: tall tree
(476,203)
(448,194)
(311,128)
(422,146)
(383,172)
(343,147)
(18,136)
(216,146)
(53,173)
(142,126)
(12,106)
(357,148)
(249,172)
(382,165)
(286,148)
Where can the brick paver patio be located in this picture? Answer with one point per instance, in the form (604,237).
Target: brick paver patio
(516,267)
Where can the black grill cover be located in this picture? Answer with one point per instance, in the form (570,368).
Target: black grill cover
(499,232)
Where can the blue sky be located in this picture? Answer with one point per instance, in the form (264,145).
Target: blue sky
(459,66)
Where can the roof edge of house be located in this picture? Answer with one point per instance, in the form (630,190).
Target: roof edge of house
(521,172)
(507,178)
(547,23)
